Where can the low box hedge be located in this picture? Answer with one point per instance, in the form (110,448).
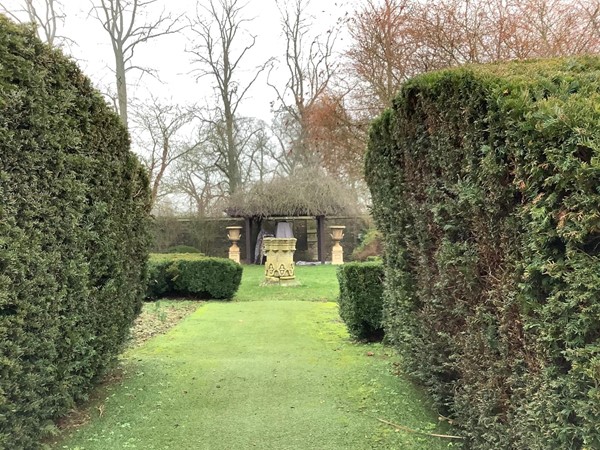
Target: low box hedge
(191,274)
(361,298)
(183,249)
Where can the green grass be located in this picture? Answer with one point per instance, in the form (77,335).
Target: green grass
(317,283)
(272,374)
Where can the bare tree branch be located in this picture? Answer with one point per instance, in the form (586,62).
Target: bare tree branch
(310,66)
(394,40)
(161,128)
(119,18)
(45,14)
(218,29)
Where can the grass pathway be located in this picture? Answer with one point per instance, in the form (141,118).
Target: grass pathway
(267,375)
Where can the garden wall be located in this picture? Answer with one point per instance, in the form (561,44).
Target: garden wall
(485,183)
(74,206)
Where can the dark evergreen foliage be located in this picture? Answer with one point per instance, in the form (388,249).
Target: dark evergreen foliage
(361,298)
(74,204)
(191,274)
(486,186)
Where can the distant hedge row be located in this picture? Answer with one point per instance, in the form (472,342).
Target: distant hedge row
(192,274)
(73,235)
(183,249)
(486,184)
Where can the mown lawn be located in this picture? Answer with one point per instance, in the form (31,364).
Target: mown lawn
(317,284)
(273,373)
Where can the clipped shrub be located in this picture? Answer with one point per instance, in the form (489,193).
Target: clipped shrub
(361,299)
(370,247)
(190,274)
(73,236)
(159,283)
(485,185)
(182,249)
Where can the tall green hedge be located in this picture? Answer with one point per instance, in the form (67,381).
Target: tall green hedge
(486,184)
(73,235)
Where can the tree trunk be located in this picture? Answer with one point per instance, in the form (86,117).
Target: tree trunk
(232,153)
(121,86)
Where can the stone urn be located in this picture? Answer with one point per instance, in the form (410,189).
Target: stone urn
(337,252)
(279,267)
(234,234)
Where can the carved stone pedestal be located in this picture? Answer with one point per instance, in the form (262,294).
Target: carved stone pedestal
(337,252)
(234,234)
(279,268)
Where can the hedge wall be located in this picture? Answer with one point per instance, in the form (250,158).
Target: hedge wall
(486,184)
(192,274)
(361,298)
(73,235)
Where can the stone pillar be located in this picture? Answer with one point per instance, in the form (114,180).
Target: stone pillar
(279,267)
(321,238)
(337,252)
(234,235)
(311,240)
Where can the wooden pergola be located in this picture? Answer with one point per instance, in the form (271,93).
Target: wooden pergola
(253,224)
(303,196)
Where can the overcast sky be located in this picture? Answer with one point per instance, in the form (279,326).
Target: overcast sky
(167,55)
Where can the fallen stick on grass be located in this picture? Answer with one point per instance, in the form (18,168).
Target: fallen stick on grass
(410,430)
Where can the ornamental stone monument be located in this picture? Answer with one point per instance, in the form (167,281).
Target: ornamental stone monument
(279,267)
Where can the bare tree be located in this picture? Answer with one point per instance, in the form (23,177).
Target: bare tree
(197,182)
(218,29)
(262,145)
(591,11)
(196,178)
(201,174)
(161,130)
(45,14)
(120,19)
(338,139)
(310,66)
(384,45)
(255,140)
(394,40)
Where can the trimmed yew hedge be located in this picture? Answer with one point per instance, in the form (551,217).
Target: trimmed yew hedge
(74,203)
(361,298)
(486,184)
(192,274)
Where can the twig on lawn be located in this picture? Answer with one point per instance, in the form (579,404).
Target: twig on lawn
(410,430)
(447,419)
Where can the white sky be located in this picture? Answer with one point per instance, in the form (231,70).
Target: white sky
(167,55)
